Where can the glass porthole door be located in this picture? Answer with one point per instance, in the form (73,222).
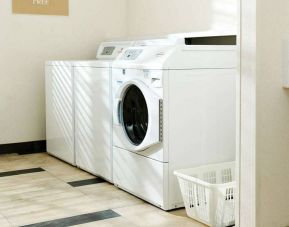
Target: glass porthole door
(135,115)
(138,112)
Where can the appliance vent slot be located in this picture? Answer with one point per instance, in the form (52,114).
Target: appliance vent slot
(212,40)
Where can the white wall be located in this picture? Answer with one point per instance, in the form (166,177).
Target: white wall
(158,17)
(263,54)
(26,41)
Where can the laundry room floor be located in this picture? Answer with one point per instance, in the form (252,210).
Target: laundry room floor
(40,190)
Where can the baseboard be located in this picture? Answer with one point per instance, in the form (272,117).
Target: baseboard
(24,147)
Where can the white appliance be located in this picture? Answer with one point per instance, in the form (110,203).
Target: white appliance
(93,112)
(174,108)
(60,99)
(60,109)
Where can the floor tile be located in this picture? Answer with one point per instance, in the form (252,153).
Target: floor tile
(114,222)
(47,196)
(76,220)
(81,183)
(4,222)
(20,172)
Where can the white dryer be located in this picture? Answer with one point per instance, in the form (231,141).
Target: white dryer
(59,86)
(60,98)
(174,108)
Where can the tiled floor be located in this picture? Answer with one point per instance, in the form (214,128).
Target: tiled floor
(46,196)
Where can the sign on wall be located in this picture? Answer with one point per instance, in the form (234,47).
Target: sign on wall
(46,7)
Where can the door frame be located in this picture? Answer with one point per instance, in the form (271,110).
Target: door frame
(246,142)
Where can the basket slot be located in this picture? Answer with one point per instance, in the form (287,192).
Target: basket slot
(226,176)
(229,207)
(192,190)
(188,191)
(210,177)
(229,194)
(201,196)
(191,195)
(202,208)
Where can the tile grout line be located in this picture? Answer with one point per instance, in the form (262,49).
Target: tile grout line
(6,219)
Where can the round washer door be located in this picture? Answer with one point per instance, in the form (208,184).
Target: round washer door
(138,114)
(135,115)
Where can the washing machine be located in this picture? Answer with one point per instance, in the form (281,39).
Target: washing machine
(174,107)
(60,99)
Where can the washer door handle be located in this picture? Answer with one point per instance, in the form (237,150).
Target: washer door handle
(117,112)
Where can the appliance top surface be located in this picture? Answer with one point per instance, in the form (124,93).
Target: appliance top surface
(177,57)
(94,63)
(111,50)
(80,63)
(64,63)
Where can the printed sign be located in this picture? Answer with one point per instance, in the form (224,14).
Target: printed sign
(46,7)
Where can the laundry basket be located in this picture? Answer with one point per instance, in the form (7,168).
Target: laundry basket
(209,193)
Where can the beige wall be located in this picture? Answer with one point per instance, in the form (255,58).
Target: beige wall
(272,115)
(262,66)
(158,17)
(26,41)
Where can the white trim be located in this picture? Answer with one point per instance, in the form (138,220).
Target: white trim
(238,118)
(247,154)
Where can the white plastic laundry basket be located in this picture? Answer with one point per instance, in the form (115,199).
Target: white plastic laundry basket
(209,193)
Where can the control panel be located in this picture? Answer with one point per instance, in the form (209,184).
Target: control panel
(111,50)
(108,50)
(131,54)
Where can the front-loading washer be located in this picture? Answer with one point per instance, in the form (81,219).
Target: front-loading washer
(174,108)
